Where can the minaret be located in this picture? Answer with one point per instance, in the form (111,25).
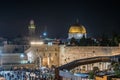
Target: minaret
(31,29)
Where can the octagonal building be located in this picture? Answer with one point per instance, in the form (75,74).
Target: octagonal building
(77,31)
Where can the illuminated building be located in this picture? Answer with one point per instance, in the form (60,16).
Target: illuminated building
(13,54)
(77,31)
(43,54)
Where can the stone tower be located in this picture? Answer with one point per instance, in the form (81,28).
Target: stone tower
(31,29)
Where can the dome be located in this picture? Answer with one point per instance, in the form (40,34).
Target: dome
(77,29)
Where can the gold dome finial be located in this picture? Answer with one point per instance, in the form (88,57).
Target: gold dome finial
(76,28)
(77,31)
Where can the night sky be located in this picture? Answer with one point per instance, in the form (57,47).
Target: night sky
(98,16)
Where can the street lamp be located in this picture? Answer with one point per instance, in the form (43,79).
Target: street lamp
(22,55)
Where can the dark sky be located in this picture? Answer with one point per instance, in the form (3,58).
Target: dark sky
(98,16)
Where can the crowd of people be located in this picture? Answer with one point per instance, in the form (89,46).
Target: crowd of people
(28,74)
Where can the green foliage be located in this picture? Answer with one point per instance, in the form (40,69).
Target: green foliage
(104,40)
(91,75)
(86,42)
(117,73)
(116,66)
(115,39)
(73,41)
(116,69)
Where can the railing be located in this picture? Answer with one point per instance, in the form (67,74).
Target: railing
(79,62)
(76,63)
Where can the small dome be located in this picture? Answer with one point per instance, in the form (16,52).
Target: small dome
(77,29)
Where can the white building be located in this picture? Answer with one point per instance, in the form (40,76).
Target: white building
(12,54)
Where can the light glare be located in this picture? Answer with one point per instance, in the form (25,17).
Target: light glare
(36,43)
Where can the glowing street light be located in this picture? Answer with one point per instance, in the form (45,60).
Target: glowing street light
(22,56)
(44,34)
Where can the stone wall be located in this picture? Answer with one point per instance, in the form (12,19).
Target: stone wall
(70,53)
(61,54)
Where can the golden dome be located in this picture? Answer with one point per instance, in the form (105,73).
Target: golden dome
(77,29)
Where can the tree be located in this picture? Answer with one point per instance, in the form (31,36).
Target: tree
(116,68)
(115,39)
(82,41)
(73,41)
(104,41)
(91,75)
(93,72)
